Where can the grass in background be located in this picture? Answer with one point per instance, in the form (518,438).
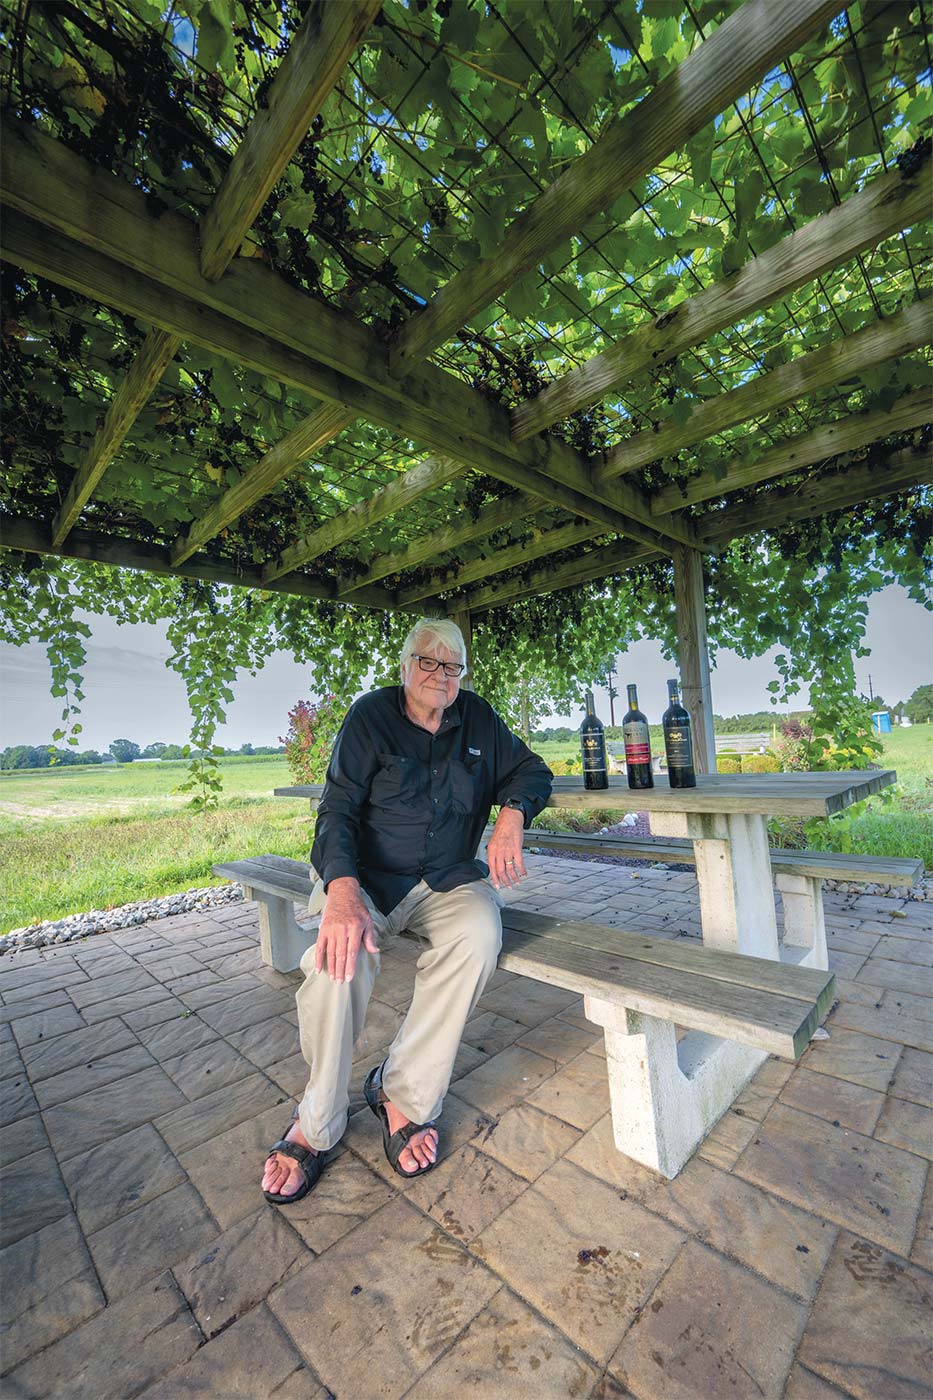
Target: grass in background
(73,839)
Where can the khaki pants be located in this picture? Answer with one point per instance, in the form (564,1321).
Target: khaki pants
(461,934)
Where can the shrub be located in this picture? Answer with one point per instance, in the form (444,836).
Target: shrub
(729,763)
(310,738)
(760,763)
(560,767)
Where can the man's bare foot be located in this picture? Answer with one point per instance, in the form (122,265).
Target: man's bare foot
(283,1175)
(421,1150)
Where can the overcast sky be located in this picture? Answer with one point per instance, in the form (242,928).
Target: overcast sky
(130,693)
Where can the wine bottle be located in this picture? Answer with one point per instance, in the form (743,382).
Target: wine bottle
(593,744)
(678,740)
(637,744)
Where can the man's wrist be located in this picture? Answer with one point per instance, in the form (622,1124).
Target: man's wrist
(507,812)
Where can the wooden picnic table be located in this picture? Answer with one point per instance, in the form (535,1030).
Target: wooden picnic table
(726,818)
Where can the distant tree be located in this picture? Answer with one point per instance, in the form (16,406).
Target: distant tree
(153,750)
(246,750)
(172,751)
(124,750)
(919,708)
(88,756)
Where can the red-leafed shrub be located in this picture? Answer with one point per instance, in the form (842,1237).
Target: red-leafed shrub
(310,738)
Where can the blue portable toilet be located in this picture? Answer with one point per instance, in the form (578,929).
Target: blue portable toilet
(881,722)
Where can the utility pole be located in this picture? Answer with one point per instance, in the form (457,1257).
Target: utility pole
(871,693)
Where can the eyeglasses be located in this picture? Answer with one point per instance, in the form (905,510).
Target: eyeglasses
(431,664)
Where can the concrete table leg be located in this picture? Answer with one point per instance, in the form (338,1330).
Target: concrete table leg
(665,1097)
(804,923)
(281,938)
(734,876)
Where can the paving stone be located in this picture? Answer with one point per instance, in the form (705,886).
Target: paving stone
(49,1287)
(237,1269)
(140,1245)
(17,1099)
(490,1033)
(47,1058)
(17,1010)
(225,990)
(804,1385)
(227,1168)
(45,1025)
(847,1105)
(155,1013)
(922,1252)
(391,1326)
(176,948)
(226,1367)
(105,988)
(34,987)
(908,1125)
(861,1059)
(701,1334)
(869,1328)
(859,992)
(188,984)
(245,1009)
(596,1153)
(176,1037)
(32,1194)
(914,1078)
(846,964)
(198,1122)
(123,1005)
(727,1140)
(61,1088)
(920,1008)
(346,1194)
(459,1123)
(207,1069)
(885,1025)
(851,940)
(117,1353)
(526,1001)
(526,1140)
(119,1176)
(105,1113)
(380,1029)
(20,1139)
(14,976)
(466,1060)
(763,1088)
(905,950)
(172,969)
(578,1093)
(901,976)
(508,1351)
(266,1042)
(291,1075)
(466,1192)
(504,1080)
(578,1254)
(847,1178)
(557,1040)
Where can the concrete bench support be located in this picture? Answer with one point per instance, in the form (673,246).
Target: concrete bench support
(804,923)
(665,1097)
(281,938)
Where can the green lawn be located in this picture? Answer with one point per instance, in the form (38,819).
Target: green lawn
(73,839)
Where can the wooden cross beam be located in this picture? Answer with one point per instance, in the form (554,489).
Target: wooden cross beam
(887,205)
(722,68)
(315,59)
(828,440)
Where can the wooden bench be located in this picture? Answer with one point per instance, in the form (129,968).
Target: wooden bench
(665,1094)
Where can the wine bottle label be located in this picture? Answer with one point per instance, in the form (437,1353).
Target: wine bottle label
(637,743)
(594,753)
(677,743)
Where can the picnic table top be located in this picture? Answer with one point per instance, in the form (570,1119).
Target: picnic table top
(766,794)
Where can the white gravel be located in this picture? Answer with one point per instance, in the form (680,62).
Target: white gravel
(75,926)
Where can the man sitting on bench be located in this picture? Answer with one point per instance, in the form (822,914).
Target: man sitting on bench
(414,772)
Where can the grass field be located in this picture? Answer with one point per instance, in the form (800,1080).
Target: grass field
(73,839)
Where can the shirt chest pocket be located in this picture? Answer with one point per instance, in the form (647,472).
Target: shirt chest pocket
(466,785)
(396,782)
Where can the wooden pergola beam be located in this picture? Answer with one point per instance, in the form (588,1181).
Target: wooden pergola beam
(316,57)
(828,440)
(595,563)
(721,69)
(543,543)
(35,538)
(150,267)
(887,205)
(388,500)
(152,359)
(842,359)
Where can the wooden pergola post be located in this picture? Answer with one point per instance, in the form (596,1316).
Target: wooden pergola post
(462,619)
(693,655)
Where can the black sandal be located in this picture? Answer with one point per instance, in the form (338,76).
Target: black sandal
(393,1143)
(310,1161)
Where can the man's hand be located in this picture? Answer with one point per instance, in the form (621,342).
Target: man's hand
(504,852)
(346,924)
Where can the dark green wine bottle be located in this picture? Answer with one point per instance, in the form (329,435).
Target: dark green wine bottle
(593,744)
(637,744)
(678,740)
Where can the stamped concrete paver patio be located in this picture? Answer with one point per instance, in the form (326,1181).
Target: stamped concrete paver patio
(144,1074)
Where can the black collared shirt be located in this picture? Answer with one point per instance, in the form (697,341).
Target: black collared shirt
(402,805)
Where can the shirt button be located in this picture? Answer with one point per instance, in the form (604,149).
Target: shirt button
(434,800)
(435,772)
(430,833)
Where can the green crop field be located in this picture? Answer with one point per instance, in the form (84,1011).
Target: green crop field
(73,839)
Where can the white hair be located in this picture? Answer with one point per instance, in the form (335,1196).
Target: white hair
(436,630)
